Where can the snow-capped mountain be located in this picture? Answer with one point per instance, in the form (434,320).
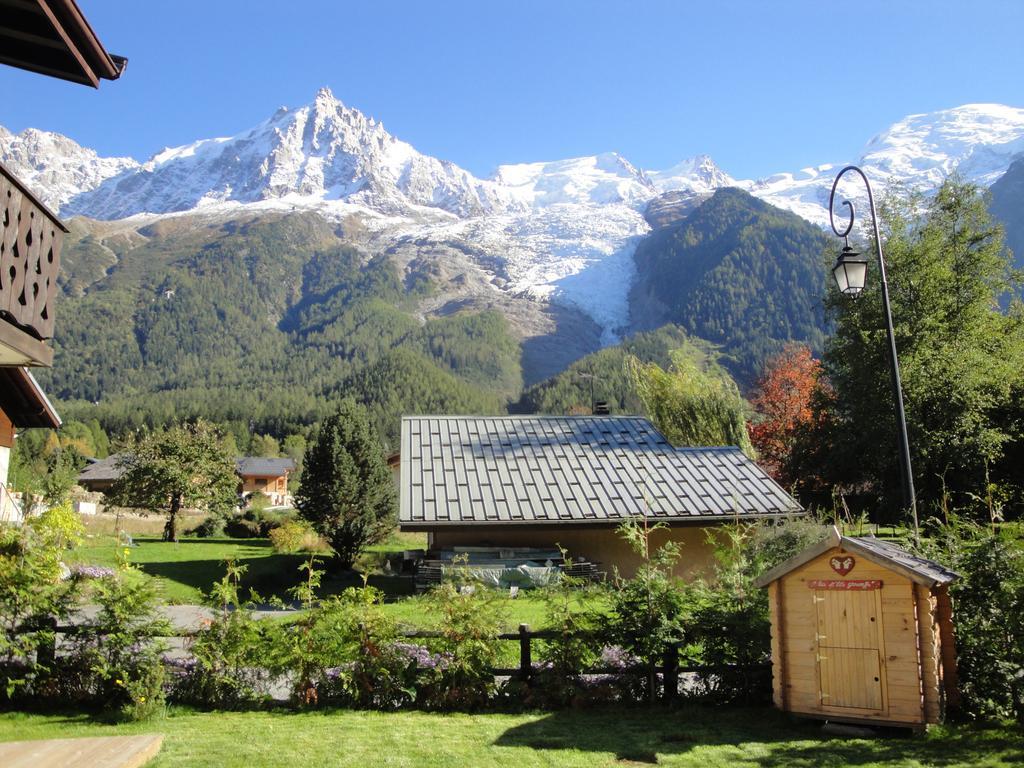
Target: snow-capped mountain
(563,230)
(56,168)
(698,174)
(979,141)
(323,151)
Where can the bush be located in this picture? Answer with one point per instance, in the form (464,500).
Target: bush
(988,614)
(576,646)
(256,523)
(115,661)
(32,599)
(293,536)
(469,622)
(647,610)
(230,662)
(728,628)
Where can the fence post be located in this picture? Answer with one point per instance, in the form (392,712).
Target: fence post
(671,671)
(525,657)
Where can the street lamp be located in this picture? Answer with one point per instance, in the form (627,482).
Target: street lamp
(850,272)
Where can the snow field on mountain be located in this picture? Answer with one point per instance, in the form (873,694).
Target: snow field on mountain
(562,231)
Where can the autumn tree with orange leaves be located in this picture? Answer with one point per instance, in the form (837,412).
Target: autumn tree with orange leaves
(782,401)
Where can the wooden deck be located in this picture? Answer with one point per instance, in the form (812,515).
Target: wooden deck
(102,752)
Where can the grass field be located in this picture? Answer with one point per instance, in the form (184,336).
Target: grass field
(705,738)
(185,570)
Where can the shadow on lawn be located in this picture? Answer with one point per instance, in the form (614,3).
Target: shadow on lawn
(760,737)
(271,575)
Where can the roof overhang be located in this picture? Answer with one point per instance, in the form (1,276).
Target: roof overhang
(53,37)
(24,401)
(687,521)
(848,544)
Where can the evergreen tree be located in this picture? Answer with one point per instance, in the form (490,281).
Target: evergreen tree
(184,467)
(347,493)
(691,406)
(961,357)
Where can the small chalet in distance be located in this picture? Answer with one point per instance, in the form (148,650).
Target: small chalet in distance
(518,482)
(255,474)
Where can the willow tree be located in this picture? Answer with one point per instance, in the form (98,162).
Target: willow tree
(690,405)
(184,467)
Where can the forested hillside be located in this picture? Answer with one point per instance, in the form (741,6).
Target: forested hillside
(1007,205)
(736,272)
(265,323)
(262,323)
(570,391)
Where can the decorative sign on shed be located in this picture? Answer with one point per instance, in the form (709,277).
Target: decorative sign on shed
(862,632)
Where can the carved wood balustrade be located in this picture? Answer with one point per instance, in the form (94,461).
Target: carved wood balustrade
(30,241)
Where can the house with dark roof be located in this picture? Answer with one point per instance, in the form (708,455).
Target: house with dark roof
(255,474)
(517,482)
(266,476)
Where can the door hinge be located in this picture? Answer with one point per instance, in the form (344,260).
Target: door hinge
(819,638)
(816,599)
(822,658)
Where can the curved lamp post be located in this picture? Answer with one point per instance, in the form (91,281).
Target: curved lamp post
(850,272)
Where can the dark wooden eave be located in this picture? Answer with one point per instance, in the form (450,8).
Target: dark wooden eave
(53,38)
(24,401)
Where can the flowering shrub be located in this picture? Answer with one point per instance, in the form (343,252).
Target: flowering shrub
(32,599)
(468,623)
(558,680)
(229,667)
(116,660)
(84,572)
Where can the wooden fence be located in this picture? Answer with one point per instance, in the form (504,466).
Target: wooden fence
(669,669)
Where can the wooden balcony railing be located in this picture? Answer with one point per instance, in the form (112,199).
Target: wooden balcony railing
(30,241)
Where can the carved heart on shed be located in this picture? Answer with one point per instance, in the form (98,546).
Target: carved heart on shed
(842,564)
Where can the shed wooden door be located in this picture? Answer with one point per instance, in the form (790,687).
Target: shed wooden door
(850,666)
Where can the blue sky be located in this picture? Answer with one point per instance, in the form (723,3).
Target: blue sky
(760,86)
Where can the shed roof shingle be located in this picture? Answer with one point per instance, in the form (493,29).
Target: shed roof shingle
(884,553)
(584,469)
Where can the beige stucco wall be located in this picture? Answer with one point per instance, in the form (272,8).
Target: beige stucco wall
(602,545)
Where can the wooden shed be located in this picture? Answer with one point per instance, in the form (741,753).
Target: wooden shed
(862,632)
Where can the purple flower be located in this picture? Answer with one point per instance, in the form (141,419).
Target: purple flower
(91,572)
(421,656)
(618,658)
(179,666)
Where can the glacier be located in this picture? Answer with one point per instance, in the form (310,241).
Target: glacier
(562,231)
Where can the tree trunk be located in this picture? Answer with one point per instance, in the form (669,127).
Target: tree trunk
(171,529)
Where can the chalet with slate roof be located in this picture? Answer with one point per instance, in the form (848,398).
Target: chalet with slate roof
(255,475)
(515,482)
(266,476)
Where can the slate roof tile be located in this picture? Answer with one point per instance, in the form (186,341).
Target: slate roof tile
(457,470)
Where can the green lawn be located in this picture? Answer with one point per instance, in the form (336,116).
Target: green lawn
(705,738)
(186,569)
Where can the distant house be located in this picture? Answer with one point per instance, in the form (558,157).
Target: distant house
(266,476)
(256,474)
(533,482)
(100,474)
